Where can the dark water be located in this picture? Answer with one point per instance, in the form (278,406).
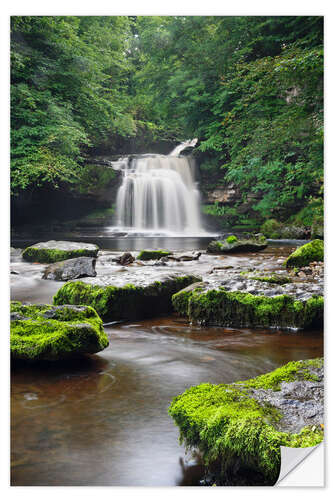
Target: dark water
(104,420)
(108,240)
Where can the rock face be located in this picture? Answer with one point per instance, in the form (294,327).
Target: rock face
(55,251)
(234,245)
(241,426)
(70,269)
(225,196)
(240,309)
(46,332)
(304,255)
(126,302)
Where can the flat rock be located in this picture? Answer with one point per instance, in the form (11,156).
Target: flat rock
(55,251)
(224,247)
(71,269)
(135,300)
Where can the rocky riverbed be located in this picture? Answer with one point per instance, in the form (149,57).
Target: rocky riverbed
(243,272)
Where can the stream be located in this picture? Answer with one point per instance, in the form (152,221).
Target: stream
(103,421)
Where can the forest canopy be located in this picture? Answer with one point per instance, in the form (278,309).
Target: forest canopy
(250,89)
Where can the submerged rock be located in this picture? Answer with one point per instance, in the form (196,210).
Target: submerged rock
(233,245)
(125,302)
(70,269)
(246,309)
(242,425)
(304,255)
(46,332)
(55,251)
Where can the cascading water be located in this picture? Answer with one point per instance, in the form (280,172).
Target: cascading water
(159,194)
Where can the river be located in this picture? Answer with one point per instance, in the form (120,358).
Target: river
(103,421)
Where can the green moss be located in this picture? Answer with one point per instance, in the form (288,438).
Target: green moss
(235,245)
(47,255)
(295,370)
(271,228)
(273,278)
(228,426)
(43,332)
(153,254)
(302,256)
(240,309)
(231,239)
(127,302)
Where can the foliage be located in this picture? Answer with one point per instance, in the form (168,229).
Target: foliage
(68,76)
(249,87)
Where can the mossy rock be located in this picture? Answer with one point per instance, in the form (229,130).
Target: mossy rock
(46,332)
(276,279)
(55,251)
(239,309)
(153,254)
(275,230)
(302,256)
(232,245)
(235,429)
(128,302)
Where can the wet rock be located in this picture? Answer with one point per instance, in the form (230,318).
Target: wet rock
(227,306)
(70,269)
(125,259)
(153,254)
(132,301)
(45,332)
(233,245)
(186,257)
(55,251)
(251,419)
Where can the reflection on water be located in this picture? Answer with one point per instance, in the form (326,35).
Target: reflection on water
(104,421)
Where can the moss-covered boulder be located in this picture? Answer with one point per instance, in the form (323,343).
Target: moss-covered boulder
(153,254)
(46,332)
(275,230)
(125,302)
(310,252)
(233,245)
(240,427)
(55,251)
(239,309)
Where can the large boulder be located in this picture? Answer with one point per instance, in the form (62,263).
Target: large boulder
(304,255)
(125,302)
(240,427)
(55,251)
(46,332)
(219,307)
(70,269)
(233,245)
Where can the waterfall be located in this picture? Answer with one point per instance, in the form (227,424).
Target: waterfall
(159,193)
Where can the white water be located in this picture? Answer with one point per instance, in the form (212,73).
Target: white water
(159,194)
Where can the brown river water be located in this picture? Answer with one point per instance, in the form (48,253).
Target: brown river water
(104,421)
